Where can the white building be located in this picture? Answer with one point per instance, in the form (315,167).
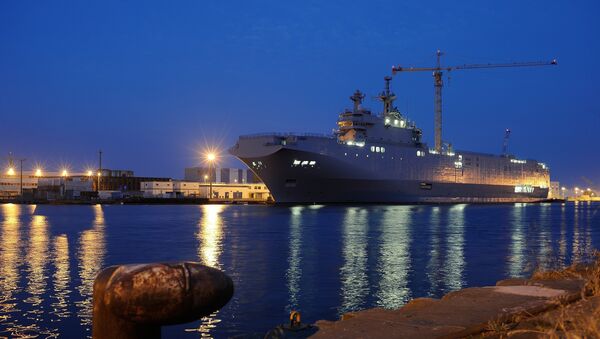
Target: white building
(64,187)
(554,191)
(157,189)
(190,189)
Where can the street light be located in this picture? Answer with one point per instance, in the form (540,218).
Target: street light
(65,173)
(38,172)
(90,173)
(21,177)
(10,171)
(210,157)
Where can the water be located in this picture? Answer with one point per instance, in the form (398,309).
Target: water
(321,260)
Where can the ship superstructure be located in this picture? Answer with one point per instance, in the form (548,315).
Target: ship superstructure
(380,158)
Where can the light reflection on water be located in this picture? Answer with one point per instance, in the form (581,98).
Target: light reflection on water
(92,249)
(210,236)
(353,274)
(455,261)
(323,260)
(394,257)
(294,271)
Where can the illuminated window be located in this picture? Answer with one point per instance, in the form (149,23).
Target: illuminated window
(377,149)
(382,149)
(296,162)
(420,153)
(312,163)
(304,163)
(372,148)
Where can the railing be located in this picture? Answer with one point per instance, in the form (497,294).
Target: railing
(285,135)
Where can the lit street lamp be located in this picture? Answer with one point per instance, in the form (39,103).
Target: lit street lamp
(210,157)
(21,177)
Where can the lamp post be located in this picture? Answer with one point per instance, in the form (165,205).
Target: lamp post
(21,178)
(210,157)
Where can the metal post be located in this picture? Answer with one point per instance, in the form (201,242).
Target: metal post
(21,178)
(134,301)
(210,180)
(99,174)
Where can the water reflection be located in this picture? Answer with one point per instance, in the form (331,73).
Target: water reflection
(210,237)
(61,277)
(294,271)
(36,258)
(10,259)
(545,259)
(455,260)
(92,249)
(516,260)
(394,257)
(355,284)
(434,273)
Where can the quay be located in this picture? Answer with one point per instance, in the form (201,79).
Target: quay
(559,303)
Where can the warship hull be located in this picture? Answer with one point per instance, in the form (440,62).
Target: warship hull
(339,175)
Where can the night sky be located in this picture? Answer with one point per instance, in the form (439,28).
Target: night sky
(152,83)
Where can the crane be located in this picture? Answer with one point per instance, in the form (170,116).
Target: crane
(505,143)
(438,84)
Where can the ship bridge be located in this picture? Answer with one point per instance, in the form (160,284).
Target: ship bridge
(359,125)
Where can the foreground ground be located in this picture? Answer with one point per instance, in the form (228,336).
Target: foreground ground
(557,304)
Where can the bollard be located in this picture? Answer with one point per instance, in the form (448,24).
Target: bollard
(134,301)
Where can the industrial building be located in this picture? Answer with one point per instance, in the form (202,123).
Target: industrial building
(220,175)
(191,189)
(72,187)
(123,181)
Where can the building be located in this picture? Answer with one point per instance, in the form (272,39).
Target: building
(72,187)
(554,191)
(123,181)
(220,175)
(192,189)
(10,183)
(157,189)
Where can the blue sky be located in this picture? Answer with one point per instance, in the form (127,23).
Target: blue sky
(151,83)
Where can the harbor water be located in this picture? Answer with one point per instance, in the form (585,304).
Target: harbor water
(320,260)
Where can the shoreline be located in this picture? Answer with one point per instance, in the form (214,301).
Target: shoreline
(552,303)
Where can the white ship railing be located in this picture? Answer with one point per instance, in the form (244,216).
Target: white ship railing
(285,135)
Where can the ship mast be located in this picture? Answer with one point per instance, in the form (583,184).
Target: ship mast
(357,99)
(387,97)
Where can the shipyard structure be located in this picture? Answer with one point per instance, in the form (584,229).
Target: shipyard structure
(381,158)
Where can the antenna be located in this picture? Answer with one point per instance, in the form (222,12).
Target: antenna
(505,143)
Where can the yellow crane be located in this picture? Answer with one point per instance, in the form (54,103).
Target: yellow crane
(438,84)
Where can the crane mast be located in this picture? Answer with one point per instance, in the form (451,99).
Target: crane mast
(438,84)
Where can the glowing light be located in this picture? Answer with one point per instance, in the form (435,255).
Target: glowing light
(205,177)
(211,157)
(11,171)
(90,173)
(38,172)
(65,173)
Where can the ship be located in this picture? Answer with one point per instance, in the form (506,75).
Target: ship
(382,158)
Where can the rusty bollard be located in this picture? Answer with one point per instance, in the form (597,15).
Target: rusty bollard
(134,301)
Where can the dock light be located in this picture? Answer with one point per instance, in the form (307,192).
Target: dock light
(38,172)
(65,173)
(11,171)
(90,173)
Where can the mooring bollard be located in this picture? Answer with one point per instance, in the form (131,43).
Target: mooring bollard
(134,301)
